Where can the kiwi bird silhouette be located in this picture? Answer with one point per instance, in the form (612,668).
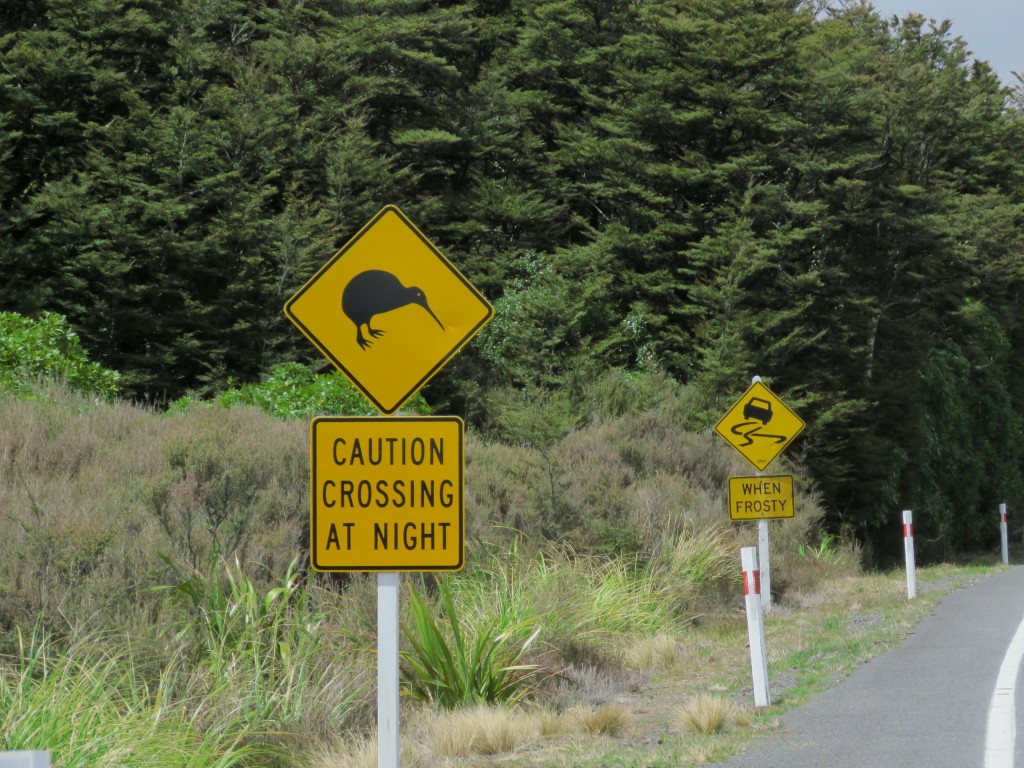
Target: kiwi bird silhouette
(374,292)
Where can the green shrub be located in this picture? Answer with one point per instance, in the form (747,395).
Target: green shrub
(261,650)
(539,421)
(577,601)
(697,565)
(620,392)
(295,391)
(48,348)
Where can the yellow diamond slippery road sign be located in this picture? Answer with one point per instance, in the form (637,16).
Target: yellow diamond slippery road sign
(389,310)
(387,494)
(759,426)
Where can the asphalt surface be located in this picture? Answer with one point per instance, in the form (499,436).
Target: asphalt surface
(923,704)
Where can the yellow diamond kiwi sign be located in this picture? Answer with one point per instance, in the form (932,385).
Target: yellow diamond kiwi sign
(760,426)
(388,310)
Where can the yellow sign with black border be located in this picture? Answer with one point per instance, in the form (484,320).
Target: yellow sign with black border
(389,310)
(766,497)
(760,426)
(387,494)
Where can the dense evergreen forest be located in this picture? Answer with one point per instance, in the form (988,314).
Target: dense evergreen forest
(711,189)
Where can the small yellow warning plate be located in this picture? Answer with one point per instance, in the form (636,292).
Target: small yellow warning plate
(389,310)
(760,426)
(768,497)
(386,494)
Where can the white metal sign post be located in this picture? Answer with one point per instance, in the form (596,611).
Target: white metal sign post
(764,559)
(755,626)
(387,669)
(24,760)
(760,427)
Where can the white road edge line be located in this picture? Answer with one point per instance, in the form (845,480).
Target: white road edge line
(1001,730)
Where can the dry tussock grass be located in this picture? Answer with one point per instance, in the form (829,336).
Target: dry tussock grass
(700,753)
(551,722)
(708,713)
(662,651)
(480,730)
(361,753)
(608,720)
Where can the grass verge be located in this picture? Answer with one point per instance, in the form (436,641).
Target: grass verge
(814,640)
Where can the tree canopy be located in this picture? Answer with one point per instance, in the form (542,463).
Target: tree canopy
(710,188)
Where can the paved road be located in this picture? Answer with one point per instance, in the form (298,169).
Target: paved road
(923,704)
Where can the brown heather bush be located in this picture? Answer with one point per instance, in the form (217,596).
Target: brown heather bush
(498,481)
(96,494)
(610,535)
(358,753)
(621,485)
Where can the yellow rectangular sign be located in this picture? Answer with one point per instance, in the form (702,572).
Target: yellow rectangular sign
(761,498)
(387,493)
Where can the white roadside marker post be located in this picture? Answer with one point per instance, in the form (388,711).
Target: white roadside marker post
(1004,534)
(908,550)
(24,759)
(764,561)
(387,670)
(755,626)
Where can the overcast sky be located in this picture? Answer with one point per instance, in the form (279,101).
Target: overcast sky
(993,29)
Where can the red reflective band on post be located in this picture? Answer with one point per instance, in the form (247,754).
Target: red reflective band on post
(1003,517)
(752,582)
(908,530)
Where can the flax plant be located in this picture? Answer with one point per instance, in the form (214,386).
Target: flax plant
(451,665)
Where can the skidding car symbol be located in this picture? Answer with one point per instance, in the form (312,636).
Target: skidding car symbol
(758,409)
